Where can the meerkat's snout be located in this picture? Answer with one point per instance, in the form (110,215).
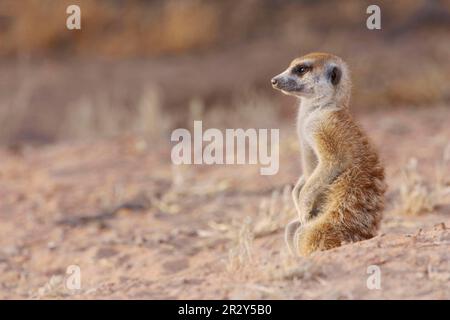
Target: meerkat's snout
(287,83)
(278,82)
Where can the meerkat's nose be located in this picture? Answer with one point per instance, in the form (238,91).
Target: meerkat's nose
(274,81)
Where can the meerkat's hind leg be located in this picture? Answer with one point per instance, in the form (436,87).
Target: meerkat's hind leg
(290,234)
(321,234)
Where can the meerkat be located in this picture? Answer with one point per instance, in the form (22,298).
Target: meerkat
(340,196)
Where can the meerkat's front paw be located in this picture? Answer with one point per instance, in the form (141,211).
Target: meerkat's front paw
(307,210)
(309,205)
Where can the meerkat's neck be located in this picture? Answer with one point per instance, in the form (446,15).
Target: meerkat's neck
(308,105)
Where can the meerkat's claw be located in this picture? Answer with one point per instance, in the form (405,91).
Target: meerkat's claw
(296,192)
(289,235)
(296,239)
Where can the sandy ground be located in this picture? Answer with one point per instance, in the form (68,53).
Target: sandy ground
(139,228)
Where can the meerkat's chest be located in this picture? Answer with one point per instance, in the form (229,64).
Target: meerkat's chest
(307,125)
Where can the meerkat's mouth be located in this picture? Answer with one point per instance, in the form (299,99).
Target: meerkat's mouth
(291,90)
(288,87)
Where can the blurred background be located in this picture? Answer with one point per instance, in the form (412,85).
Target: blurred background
(147,67)
(85,172)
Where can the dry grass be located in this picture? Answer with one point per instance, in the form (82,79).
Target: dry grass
(250,109)
(274,213)
(418,196)
(13,113)
(272,216)
(240,254)
(443,174)
(99,116)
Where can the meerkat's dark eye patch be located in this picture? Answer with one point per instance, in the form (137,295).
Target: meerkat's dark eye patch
(335,75)
(301,69)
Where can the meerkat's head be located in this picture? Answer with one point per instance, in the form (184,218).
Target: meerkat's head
(319,76)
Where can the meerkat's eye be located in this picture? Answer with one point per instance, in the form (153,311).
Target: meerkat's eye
(300,69)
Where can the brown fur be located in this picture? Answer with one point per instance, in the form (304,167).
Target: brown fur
(350,209)
(340,196)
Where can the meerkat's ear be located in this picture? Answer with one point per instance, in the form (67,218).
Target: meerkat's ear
(334,74)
